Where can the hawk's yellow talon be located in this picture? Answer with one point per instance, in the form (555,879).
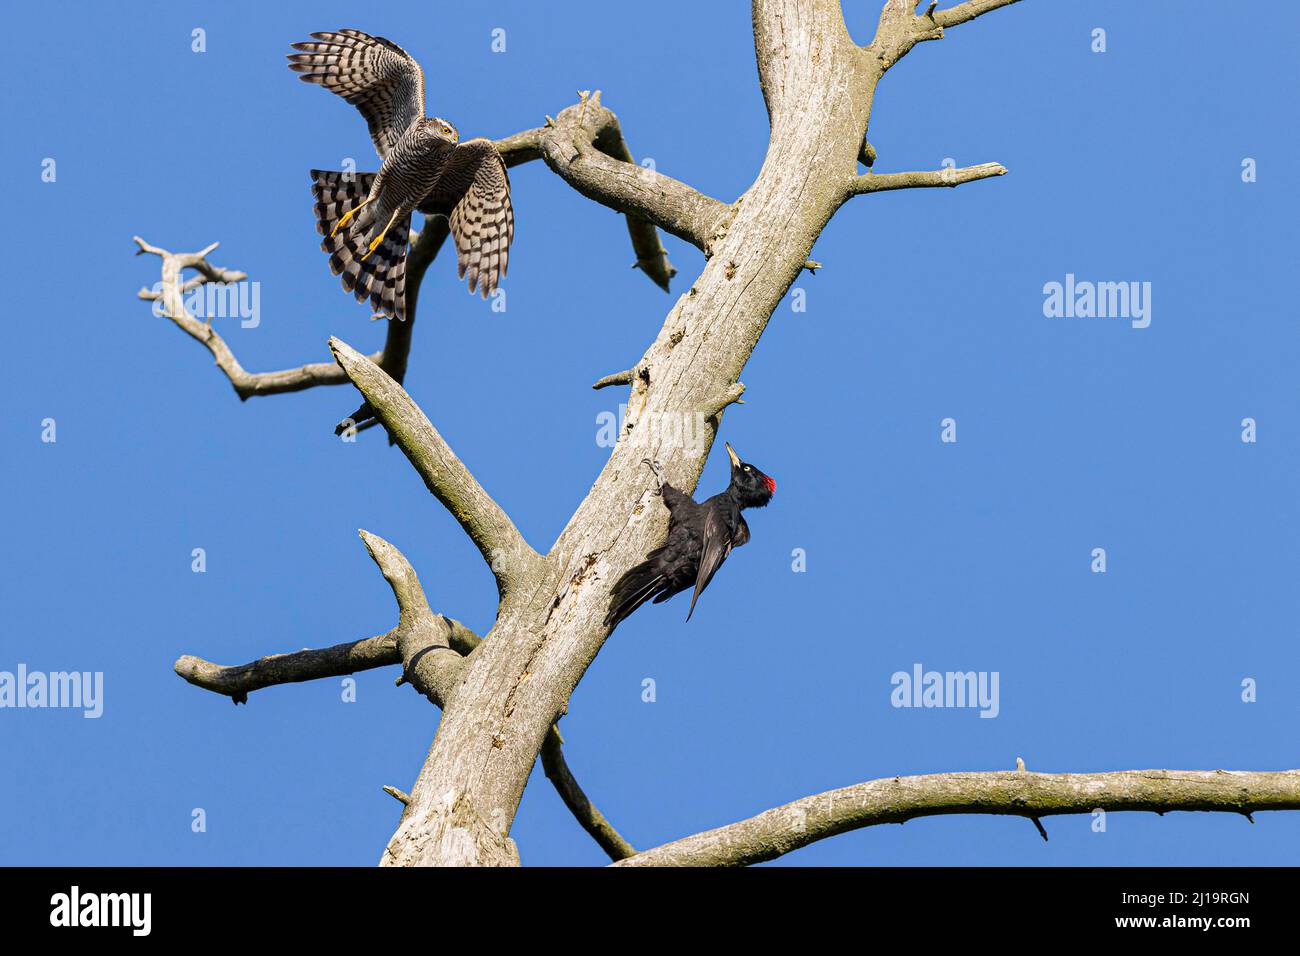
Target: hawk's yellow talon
(380,238)
(347,216)
(374,245)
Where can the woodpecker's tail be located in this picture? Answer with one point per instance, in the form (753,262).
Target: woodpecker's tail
(633,589)
(347,222)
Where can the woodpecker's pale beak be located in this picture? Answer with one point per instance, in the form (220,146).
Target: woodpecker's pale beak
(731,452)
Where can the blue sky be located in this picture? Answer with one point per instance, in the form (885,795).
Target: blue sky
(1073,434)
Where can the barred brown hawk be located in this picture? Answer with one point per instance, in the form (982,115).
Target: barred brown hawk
(365,217)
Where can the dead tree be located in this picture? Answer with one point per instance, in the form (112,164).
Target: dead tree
(502,694)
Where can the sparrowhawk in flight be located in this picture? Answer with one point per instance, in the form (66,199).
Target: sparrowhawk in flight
(365,217)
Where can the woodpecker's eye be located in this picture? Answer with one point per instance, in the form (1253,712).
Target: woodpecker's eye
(747,468)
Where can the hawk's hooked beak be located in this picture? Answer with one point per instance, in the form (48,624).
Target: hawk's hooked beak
(731,452)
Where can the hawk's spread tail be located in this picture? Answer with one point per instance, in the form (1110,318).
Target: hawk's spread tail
(379,277)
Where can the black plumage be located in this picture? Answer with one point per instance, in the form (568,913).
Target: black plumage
(700,536)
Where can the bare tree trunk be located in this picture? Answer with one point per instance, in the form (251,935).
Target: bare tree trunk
(818,88)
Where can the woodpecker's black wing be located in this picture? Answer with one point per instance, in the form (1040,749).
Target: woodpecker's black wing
(668,570)
(679,504)
(719,540)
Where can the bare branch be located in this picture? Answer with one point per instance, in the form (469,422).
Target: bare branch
(899,30)
(617,378)
(591,819)
(246,384)
(429,662)
(729,395)
(584,146)
(965,11)
(1014,793)
(401,796)
(927,179)
(239,680)
(499,541)
(522,147)
(418,631)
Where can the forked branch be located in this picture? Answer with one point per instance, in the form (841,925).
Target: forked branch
(419,642)
(584,146)
(430,663)
(171,298)
(900,30)
(418,631)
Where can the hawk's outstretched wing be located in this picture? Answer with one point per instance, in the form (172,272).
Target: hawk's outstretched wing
(375,75)
(473,192)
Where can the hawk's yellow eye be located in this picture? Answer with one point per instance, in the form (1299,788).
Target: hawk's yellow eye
(446,131)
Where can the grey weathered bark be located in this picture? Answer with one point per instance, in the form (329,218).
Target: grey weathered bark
(502,695)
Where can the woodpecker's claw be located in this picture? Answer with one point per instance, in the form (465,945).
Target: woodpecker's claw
(658,470)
